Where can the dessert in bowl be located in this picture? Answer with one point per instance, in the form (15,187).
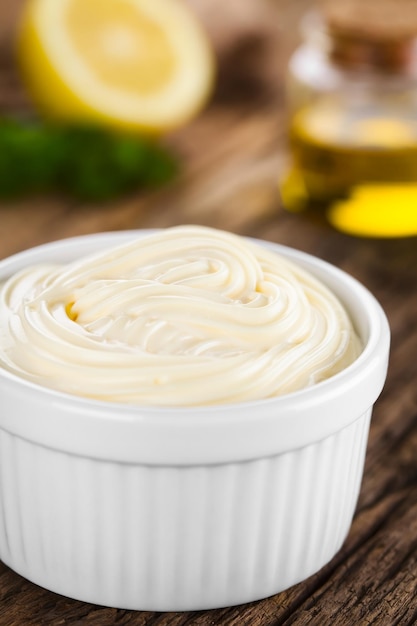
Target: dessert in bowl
(184,415)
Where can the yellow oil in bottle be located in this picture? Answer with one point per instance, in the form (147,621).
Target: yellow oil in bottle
(352,98)
(356,162)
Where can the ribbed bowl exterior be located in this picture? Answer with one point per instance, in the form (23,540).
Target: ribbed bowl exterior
(176,538)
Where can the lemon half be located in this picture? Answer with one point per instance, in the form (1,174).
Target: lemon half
(140,65)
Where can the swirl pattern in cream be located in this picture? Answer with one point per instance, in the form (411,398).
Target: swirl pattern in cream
(186,316)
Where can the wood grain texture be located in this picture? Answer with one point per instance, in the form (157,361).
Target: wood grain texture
(232,155)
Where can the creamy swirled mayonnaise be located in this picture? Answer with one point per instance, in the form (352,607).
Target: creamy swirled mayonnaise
(187,316)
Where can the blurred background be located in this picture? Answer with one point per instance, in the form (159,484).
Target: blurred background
(258,109)
(227,155)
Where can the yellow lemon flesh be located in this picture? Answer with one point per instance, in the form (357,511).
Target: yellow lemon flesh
(139,65)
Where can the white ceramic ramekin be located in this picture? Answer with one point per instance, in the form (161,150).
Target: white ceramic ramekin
(175,509)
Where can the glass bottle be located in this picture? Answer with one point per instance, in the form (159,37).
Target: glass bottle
(352,100)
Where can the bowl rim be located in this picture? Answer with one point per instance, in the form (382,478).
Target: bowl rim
(199,434)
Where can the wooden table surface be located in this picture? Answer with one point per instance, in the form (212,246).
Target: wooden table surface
(232,155)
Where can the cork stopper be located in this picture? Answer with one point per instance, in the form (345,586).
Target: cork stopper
(377,33)
(374,20)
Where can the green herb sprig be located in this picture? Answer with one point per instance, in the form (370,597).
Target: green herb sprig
(89,164)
